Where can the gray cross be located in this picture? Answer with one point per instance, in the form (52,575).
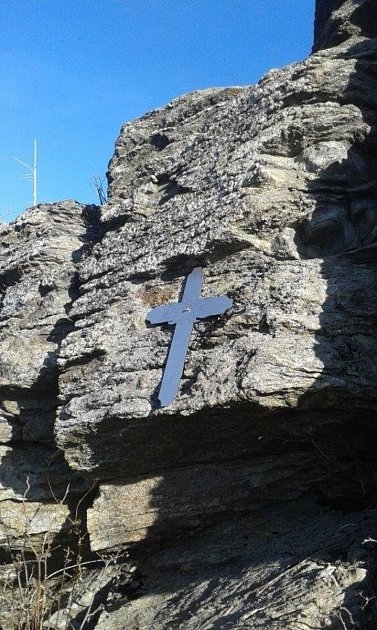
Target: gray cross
(183,314)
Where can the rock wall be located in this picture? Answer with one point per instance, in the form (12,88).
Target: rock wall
(38,282)
(249,501)
(337,21)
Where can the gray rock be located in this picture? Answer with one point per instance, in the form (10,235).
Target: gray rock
(249,501)
(338,20)
(38,280)
(276,569)
(272,190)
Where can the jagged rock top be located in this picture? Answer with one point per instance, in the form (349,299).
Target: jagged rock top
(270,442)
(338,20)
(267,187)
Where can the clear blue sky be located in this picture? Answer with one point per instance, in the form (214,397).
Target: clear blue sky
(73,71)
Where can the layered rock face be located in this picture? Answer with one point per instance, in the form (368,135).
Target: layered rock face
(338,20)
(249,501)
(38,275)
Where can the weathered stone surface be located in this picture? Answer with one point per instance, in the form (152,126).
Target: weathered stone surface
(286,567)
(195,494)
(272,189)
(338,20)
(250,500)
(38,280)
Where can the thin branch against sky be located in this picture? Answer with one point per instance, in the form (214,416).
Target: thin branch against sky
(32,174)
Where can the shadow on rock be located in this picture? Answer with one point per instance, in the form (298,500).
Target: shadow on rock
(41,497)
(282,531)
(343,231)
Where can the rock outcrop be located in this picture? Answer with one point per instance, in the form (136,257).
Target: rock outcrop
(337,21)
(249,502)
(39,280)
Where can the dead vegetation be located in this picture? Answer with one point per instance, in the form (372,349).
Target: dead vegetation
(48,585)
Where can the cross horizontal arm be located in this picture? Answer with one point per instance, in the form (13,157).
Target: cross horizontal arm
(166,313)
(207,307)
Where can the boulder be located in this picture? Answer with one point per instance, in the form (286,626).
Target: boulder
(271,189)
(38,281)
(249,501)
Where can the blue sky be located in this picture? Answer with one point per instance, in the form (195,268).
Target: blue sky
(73,71)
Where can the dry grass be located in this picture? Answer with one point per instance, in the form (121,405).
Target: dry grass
(32,597)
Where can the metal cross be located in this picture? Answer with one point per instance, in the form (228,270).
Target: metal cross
(183,315)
